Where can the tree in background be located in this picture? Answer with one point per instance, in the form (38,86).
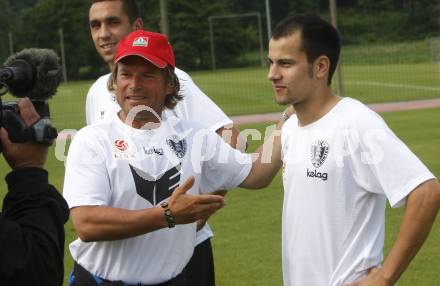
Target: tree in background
(6,24)
(40,28)
(422,18)
(189,33)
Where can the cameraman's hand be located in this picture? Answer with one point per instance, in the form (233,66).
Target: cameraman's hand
(22,155)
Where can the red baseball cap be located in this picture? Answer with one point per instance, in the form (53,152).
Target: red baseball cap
(153,47)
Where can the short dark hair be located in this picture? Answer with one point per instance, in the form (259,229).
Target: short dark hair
(318,37)
(130,8)
(171,79)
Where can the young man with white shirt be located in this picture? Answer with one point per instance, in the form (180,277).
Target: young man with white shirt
(341,164)
(110,20)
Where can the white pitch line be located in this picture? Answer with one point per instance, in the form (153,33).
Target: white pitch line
(381,84)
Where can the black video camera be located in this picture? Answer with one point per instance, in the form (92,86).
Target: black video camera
(36,74)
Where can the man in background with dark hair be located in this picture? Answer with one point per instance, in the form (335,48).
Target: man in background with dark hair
(341,164)
(110,20)
(33,214)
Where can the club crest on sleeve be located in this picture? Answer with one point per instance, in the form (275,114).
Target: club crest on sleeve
(319,152)
(140,42)
(178,146)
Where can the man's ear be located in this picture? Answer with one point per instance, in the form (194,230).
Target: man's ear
(321,67)
(138,24)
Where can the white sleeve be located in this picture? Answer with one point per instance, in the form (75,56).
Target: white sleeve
(197,106)
(97,100)
(225,167)
(383,164)
(86,181)
(90,106)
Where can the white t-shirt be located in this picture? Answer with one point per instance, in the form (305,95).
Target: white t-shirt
(112,164)
(195,106)
(338,173)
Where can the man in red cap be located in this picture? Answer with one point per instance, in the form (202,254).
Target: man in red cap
(110,21)
(133,182)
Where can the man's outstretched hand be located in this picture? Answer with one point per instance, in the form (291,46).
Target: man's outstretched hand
(190,208)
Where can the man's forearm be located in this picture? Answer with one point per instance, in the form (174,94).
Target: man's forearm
(102,223)
(98,223)
(267,162)
(421,210)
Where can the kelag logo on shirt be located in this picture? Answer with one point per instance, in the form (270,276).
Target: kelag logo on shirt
(318,153)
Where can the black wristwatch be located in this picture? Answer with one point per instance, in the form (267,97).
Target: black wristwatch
(168,215)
